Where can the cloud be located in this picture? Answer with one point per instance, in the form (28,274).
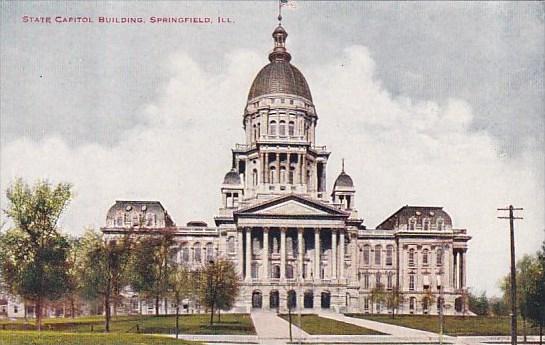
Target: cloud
(399,150)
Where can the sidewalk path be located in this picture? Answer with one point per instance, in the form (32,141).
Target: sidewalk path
(272,329)
(396,331)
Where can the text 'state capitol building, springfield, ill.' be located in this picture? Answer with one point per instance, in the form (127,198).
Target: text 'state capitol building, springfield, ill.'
(291,240)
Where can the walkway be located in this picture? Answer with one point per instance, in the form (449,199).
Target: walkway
(272,329)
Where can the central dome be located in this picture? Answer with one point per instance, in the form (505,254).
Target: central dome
(279,76)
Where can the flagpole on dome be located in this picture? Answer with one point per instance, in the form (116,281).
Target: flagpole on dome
(279,12)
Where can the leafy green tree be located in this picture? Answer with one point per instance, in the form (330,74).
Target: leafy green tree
(378,295)
(394,298)
(219,286)
(182,285)
(151,267)
(104,269)
(536,293)
(34,259)
(478,304)
(498,307)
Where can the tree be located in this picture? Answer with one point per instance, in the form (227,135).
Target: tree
(34,262)
(151,266)
(394,298)
(182,285)
(104,271)
(218,286)
(478,304)
(536,293)
(378,295)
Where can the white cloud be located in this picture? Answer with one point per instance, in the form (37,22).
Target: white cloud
(398,150)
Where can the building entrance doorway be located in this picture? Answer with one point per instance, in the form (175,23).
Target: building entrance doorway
(257,299)
(274,300)
(326,300)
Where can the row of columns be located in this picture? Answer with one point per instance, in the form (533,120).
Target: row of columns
(458,269)
(339,260)
(300,172)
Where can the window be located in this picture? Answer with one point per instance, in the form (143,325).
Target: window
(389,282)
(366,303)
(119,221)
(15,309)
(412,223)
(254,177)
(290,175)
(412,282)
(412,303)
(255,132)
(440,224)
(185,254)
(209,252)
(366,250)
(425,224)
(258,130)
(289,271)
(389,255)
(366,280)
(127,219)
(231,244)
(272,128)
(282,128)
(439,257)
(272,173)
(255,270)
(275,272)
(425,257)
(291,128)
(283,175)
(377,279)
(197,252)
(411,257)
(378,254)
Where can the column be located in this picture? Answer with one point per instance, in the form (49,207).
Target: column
(303,169)
(298,169)
(341,254)
(316,254)
(462,273)
(248,254)
(266,253)
(277,167)
(300,254)
(334,254)
(240,253)
(282,253)
(454,269)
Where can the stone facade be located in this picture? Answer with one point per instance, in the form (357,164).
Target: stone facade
(292,243)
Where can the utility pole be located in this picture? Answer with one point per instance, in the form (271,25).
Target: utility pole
(512,218)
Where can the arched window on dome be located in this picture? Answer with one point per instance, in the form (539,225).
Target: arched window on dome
(254,177)
(282,128)
(272,174)
(425,224)
(440,224)
(283,175)
(412,223)
(272,127)
(291,128)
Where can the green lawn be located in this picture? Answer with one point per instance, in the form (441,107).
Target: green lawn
(314,324)
(56,338)
(453,325)
(189,324)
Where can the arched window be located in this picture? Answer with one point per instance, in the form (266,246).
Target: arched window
(439,258)
(185,253)
(440,224)
(255,270)
(282,128)
(412,304)
(377,279)
(197,252)
(272,127)
(366,280)
(119,221)
(272,174)
(366,253)
(254,177)
(412,282)
(275,272)
(209,251)
(291,128)
(389,255)
(378,255)
(389,282)
(289,272)
(412,223)
(231,244)
(283,175)
(411,257)
(425,257)
(425,224)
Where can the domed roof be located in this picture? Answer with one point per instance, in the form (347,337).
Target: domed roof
(280,76)
(344,180)
(232,178)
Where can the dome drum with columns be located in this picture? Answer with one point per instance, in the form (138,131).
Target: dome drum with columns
(280,227)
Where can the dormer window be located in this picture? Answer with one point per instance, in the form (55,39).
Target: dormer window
(440,224)
(425,224)
(412,223)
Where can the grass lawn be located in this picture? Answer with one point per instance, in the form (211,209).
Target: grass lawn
(55,338)
(189,324)
(314,324)
(453,325)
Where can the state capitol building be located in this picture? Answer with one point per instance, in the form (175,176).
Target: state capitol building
(294,240)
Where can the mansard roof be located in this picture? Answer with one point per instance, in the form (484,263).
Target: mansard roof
(140,206)
(403,215)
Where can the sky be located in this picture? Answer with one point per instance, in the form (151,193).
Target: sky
(429,103)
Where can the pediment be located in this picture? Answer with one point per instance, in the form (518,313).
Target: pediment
(292,206)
